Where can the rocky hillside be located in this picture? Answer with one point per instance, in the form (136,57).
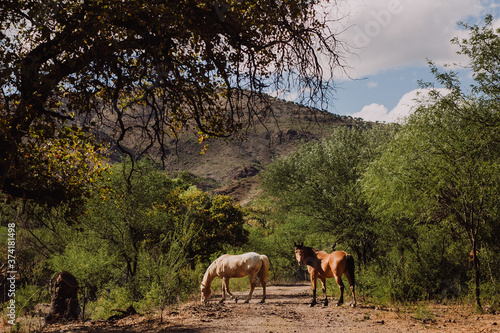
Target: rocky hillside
(232,166)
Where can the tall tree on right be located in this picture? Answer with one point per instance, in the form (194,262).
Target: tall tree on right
(444,164)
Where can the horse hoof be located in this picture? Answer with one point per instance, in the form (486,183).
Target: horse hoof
(246,301)
(235,300)
(312,304)
(221,301)
(325,304)
(263,301)
(339,304)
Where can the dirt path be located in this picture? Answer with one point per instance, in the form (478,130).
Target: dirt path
(287,310)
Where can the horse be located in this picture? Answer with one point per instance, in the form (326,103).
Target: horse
(236,266)
(323,265)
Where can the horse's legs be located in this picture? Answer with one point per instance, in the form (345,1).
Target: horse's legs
(323,288)
(226,286)
(341,287)
(223,290)
(263,283)
(353,296)
(313,282)
(351,283)
(252,287)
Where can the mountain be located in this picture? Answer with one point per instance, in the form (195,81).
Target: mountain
(232,166)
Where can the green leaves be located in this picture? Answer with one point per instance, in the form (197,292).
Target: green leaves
(153,209)
(320,181)
(146,71)
(443,166)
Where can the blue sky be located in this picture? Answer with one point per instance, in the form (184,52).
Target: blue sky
(387,46)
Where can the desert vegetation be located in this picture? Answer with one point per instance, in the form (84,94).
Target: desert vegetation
(416,203)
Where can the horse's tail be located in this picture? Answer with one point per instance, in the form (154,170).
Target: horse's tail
(350,269)
(264,270)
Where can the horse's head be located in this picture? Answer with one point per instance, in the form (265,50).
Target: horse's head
(205,292)
(299,253)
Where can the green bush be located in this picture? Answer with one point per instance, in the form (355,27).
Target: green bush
(115,297)
(90,262)
(28,296)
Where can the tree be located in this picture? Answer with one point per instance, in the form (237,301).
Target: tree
(217,221)
(440,168)
(444,164)
(147,69)
(320,181)
(152,211)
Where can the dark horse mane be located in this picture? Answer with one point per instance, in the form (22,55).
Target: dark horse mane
(301,246)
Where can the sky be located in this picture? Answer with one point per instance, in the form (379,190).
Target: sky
(389,44)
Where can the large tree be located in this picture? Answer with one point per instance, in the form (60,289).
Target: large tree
(151,211)
(444,164)
(319,181)
(148,69)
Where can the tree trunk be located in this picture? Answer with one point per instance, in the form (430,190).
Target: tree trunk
(64,302)
(477,277)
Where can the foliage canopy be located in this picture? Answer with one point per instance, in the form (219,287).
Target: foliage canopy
(147,69)
(135,235)
(444,164)
(320,181)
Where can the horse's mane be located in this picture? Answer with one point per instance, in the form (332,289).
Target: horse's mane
(312,250)
(303,247)
(210,270)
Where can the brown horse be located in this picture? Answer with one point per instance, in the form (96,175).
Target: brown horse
(323,265)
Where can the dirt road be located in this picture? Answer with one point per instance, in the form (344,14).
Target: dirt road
(287,310)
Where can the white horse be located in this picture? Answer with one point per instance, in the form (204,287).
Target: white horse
(236,266)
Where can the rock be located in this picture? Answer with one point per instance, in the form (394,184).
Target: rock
(245,172)
(64,299)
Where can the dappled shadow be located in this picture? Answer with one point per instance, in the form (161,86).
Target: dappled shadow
(184,329)
(290,294)
(133,324)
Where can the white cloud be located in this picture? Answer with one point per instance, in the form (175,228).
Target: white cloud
(373,112)
(405,106)
(385,34)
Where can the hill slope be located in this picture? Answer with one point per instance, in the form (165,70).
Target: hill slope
(230,166)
